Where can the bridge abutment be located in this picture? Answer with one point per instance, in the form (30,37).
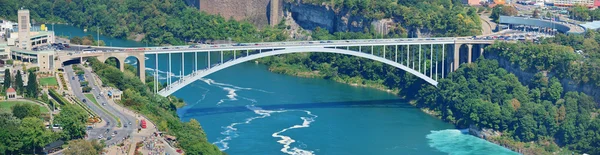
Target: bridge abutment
(142,67)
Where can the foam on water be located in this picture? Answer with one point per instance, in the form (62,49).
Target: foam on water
(286,140)
(453,141)
(231,131)
(230,95)
(231,90)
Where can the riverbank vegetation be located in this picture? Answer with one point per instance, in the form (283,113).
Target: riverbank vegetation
(160,110)
(157,22)
(446,17)
(485,95)
(86,40)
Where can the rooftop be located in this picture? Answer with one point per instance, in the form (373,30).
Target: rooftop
(10,90)
(34,34)
(591,25)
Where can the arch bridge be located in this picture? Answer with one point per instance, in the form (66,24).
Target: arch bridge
(427,58)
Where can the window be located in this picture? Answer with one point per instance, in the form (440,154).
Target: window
(24,25)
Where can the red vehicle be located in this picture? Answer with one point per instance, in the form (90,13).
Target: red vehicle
(143,124)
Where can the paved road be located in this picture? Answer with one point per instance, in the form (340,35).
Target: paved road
(97,131)
(118,112)
(487,25)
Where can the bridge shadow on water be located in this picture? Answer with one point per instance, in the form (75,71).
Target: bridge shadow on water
(391,103)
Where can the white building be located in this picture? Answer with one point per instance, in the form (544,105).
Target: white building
(26,38)
(6,27)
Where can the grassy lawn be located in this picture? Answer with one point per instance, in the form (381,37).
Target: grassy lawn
(50,81)
(92,98)
(7,104)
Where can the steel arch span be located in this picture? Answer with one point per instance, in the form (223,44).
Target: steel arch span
(187,79)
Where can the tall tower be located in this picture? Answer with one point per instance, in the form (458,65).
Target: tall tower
(24,28)
(274,12)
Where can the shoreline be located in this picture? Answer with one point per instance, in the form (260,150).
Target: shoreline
(471,131)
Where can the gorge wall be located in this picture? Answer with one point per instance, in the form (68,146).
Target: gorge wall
(270,12)
(312,16)
(525,78)
(257,12)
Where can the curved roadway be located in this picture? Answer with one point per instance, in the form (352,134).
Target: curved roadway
(97,131)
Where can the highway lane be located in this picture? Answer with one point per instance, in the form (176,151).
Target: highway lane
(124,118)
(97,131)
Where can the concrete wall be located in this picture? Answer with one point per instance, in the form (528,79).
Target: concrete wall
(46,62)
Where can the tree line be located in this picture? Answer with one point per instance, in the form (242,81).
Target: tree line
(29,91)
(485,95)
(161,22)
(574,56)
(22,130)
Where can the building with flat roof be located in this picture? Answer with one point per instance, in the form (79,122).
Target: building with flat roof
(6,27)
(28,45)
(35,39)
(27,39)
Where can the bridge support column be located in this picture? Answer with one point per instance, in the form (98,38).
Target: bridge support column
(122,64)
(456,56)
(420,59)
(396,55)
(443,59)
(141,67)
(470,53)
(481,50)
(407,56)
(431,62)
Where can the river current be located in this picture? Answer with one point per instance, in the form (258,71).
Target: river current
(248,110)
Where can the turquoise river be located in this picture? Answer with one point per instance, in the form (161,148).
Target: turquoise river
(247,110)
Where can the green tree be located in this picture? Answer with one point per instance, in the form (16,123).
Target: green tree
(32,85)
(555,89)
(19,82)
(10,138)
(33,133)
(72,119)
(7,79)
(81,146)
(26,110)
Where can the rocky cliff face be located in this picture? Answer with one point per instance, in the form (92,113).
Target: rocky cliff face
(525,78)
(254,11)
(310,17)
